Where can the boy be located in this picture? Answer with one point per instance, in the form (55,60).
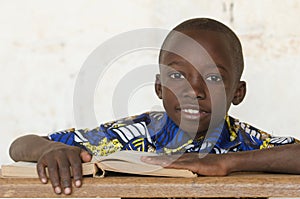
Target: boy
(197,83)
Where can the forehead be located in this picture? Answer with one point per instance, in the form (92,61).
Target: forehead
(200,48)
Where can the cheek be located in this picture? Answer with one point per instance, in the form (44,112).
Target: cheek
(170,96)
(220,100)
(173,89)
(216,94)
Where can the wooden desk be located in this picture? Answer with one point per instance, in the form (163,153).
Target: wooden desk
(237,185)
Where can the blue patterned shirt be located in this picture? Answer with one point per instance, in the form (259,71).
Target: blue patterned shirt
(156,132)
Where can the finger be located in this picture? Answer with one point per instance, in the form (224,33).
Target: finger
(65,175)
(159,160)
(151,160)
(179,165)
(194,166)
(41,170)
(85,156)
(76,167)
(54,176)
(189,156)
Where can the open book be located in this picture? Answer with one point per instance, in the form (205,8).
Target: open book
(122,161)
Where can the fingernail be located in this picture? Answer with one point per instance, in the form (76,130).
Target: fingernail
(44,180)
(77,183)
(57,190)
(67,190)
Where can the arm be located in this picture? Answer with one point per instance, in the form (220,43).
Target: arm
(283,159)
(57,157)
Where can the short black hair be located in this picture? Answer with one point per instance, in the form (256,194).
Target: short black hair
(212,25)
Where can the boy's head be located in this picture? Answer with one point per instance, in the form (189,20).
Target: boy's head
(201,63)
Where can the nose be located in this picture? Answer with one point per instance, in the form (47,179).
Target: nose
(196,88)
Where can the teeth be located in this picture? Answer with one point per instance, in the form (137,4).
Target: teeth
(192,111)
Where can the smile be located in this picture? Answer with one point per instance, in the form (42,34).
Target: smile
(192,113)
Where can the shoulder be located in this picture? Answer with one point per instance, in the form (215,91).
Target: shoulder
(265,140)
(252,131)
(146,118)
(157,116)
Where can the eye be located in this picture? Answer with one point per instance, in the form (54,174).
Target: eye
(213,78)
(176,75)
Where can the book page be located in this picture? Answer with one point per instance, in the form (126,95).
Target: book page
(19,169)
(130,162)
(130,156)
(28,169)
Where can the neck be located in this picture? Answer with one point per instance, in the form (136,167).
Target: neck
(215,127)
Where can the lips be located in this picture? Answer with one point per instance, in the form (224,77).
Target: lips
(192,112)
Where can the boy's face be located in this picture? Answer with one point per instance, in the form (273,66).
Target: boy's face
(190,92)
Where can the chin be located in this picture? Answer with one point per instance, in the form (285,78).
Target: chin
(193,128)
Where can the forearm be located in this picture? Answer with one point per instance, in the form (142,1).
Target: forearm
(29,148)
(283,159)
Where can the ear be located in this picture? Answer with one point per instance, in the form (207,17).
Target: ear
(158,89)
(240,93)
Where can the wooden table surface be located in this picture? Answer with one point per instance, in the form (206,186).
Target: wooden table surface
(237,185)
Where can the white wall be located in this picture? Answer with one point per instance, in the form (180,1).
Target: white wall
(43,45)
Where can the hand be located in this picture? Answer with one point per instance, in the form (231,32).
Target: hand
(202,164)
(58,159)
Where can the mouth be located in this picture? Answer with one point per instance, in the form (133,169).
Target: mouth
(192,112)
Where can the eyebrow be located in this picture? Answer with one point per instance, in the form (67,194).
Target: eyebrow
(178,63)
(182,62)
(221,66)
